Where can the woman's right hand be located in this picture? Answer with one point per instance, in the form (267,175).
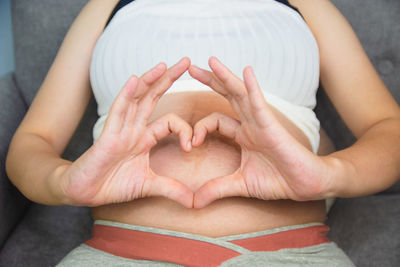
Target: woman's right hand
(116,167)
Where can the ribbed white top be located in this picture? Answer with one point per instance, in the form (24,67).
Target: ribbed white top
(268,35)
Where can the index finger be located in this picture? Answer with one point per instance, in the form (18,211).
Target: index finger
(230,86)
(168,78)
(158,88)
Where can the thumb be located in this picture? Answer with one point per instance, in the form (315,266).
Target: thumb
(168,187)
(220,187)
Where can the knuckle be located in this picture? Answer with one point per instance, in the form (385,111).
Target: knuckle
(167,79)
(198,125)
(240,95)
(229,97)
(154,95)
(170,79)
(135,100)
(143,81)
(218,116)
(212,80)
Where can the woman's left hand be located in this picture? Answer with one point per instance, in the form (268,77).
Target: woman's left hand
(274,165)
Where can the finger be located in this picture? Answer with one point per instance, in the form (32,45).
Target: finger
(216,121)
(122,112)
(158,88)
(148,78)
(263,116)
(169,188)
(169,77)
(221,187)
(208,78)
(154,74)
(118,110)
(172,123)
(233,85)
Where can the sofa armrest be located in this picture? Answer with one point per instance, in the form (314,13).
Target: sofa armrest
(12,110)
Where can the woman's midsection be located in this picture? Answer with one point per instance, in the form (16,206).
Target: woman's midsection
(217,156)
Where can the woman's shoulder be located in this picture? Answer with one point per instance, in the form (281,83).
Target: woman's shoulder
(347,74)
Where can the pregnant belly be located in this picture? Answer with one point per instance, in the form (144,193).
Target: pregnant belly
(217,156)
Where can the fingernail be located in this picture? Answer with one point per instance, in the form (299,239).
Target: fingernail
(189,145)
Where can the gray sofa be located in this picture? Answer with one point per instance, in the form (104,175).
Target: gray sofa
(367,228)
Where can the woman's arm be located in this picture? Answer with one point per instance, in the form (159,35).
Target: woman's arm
(276,166)
(372,164)
(35,149)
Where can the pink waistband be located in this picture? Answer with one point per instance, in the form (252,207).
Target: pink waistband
(141,245)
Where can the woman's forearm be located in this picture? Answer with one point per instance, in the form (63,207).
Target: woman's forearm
(32,165)
(370,165)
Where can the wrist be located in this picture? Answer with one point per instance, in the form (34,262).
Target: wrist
(339,179)
(58,184)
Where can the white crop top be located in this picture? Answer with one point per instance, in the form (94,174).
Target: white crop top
(268,35)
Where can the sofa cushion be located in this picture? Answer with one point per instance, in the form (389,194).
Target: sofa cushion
(39,27)
(45,235)
(367,229)
(12,110)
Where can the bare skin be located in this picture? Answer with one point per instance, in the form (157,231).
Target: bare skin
(217,156)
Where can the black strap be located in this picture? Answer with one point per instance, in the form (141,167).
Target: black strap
(123,3)
(285,2)
(120,5)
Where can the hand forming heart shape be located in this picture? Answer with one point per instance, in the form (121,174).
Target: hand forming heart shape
(116,168)
(274,165)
